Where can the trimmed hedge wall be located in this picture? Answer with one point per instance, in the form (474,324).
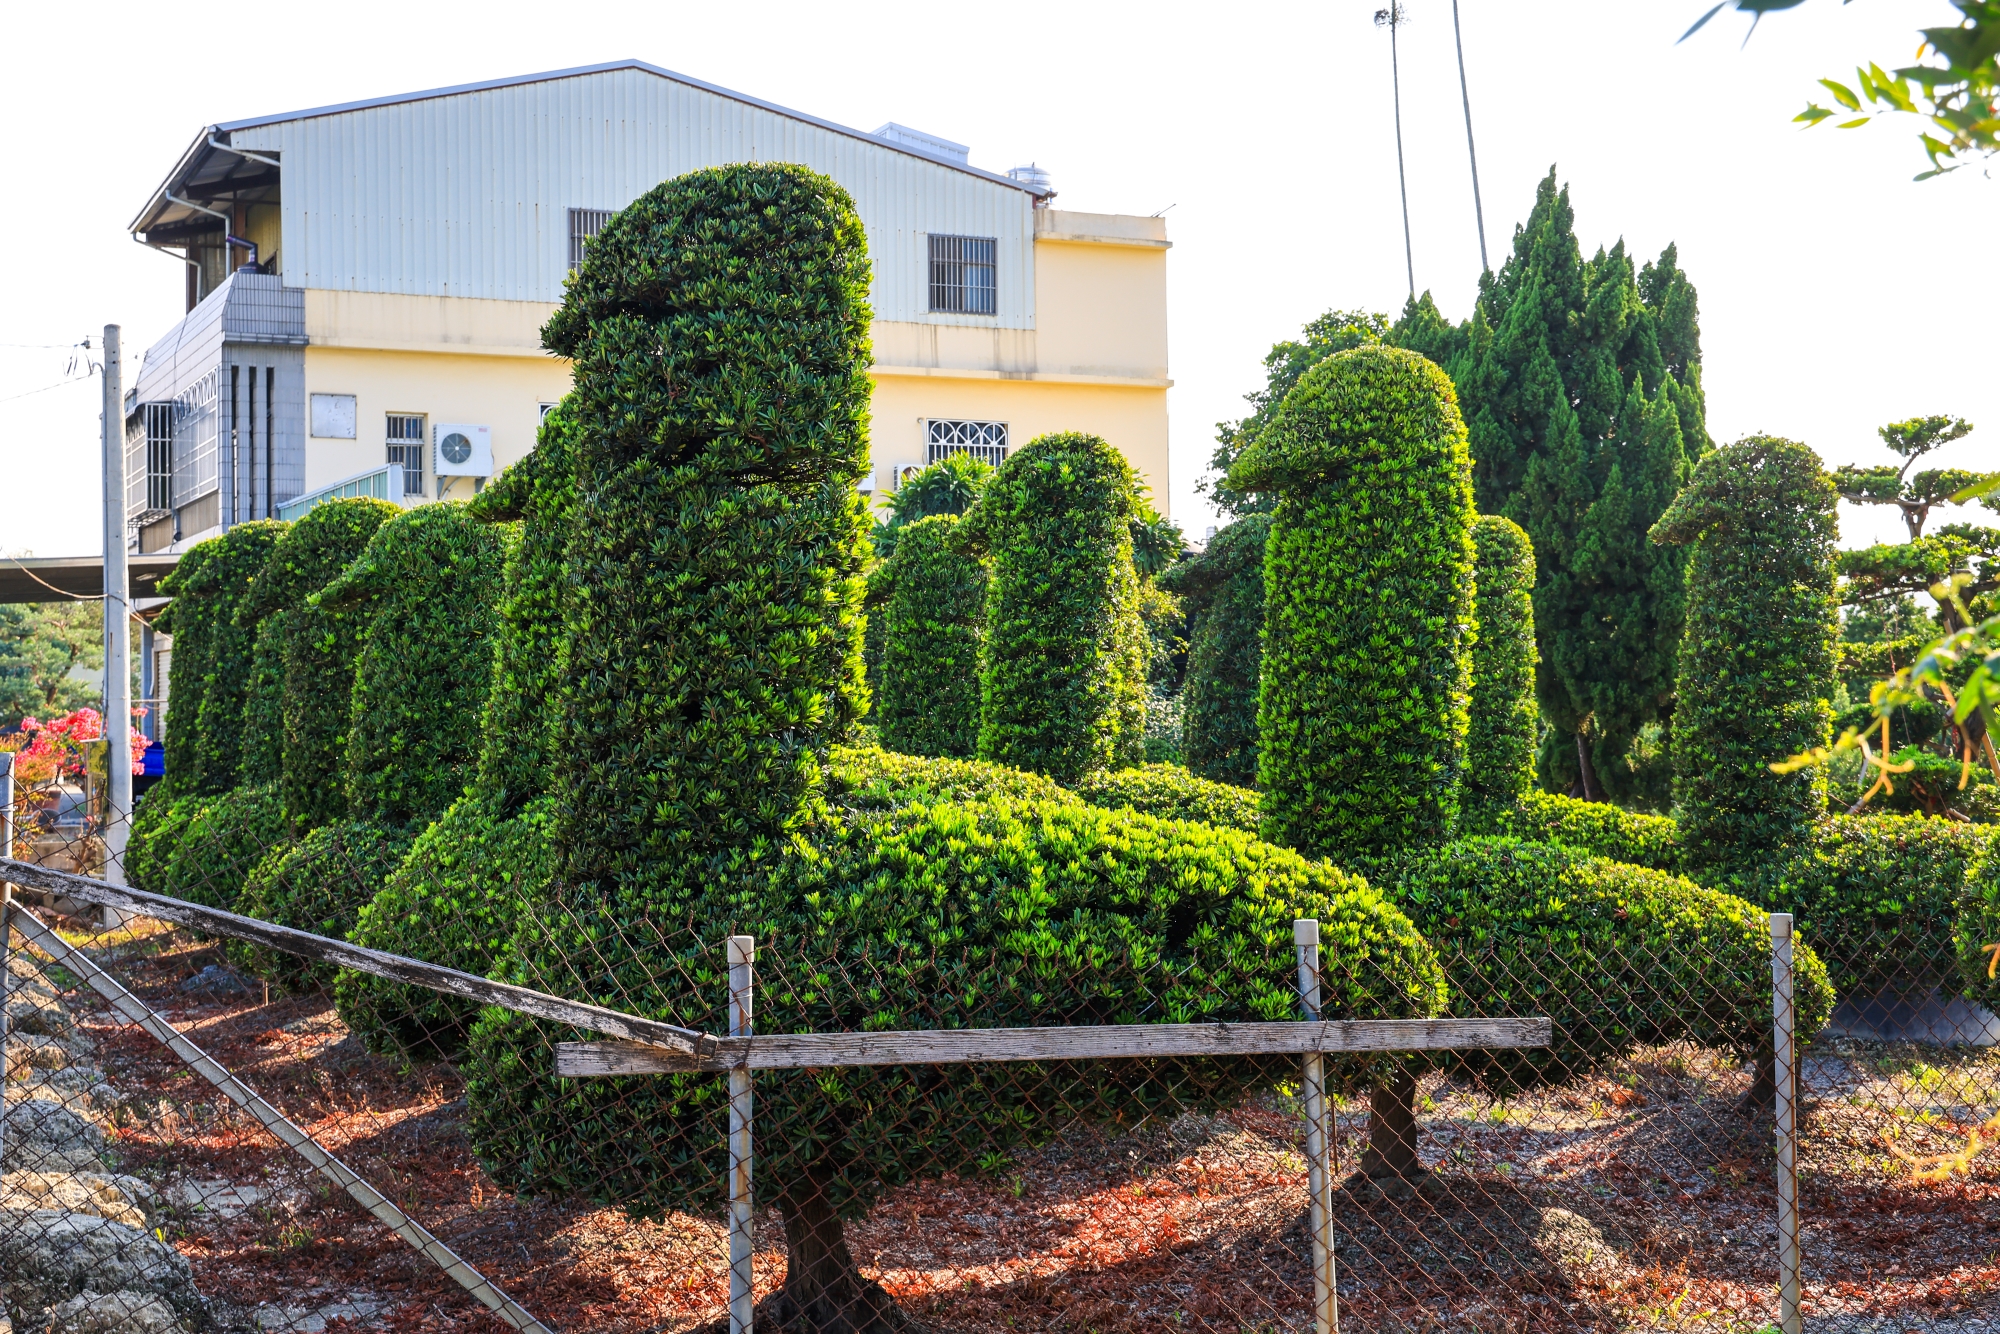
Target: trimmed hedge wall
(426,583)
(1170,792)
(263,759)
(1596,827)
(222,844)
(159,818)
(1976,929)
(1617,956)
(1224,589)
(317,884)
(212,651)
(1362,718)
(1063,689)
(997,914)
(1757,661)
(1504,718)
(934,625)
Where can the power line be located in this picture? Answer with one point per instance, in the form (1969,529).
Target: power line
(45,388)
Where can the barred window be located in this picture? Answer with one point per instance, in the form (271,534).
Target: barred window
(584,223)
(986,441)
(406,450)
(963,274)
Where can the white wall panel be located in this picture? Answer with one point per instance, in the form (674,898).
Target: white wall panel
(468,194)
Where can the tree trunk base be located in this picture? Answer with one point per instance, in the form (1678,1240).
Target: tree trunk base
(868,1309)
(1390,1162)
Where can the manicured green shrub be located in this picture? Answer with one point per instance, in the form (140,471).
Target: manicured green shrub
(222,844)
(1616,955)
(1223,588)
(1757,663)
(317,884)
(1362,717)
(1170,792)
(1500,743)
(1976,928)
(318,649)
(934,623)
(865,778)
(159,818)
(1596,827)
(1063,690)
(426,582)
(999,914)
(263,756)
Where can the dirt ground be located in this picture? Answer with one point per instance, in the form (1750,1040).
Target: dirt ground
(1640,1200)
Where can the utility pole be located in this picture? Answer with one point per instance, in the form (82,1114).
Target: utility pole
(117,625)
(1393,18)
(1478,212)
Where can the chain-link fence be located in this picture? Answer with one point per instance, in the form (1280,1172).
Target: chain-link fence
(253,1138)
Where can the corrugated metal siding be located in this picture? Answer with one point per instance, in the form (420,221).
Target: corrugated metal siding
(469,194)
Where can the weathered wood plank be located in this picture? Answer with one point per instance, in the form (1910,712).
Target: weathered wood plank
(592,1018)
(793,1051)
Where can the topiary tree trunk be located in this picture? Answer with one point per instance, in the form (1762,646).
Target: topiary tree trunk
(1368,569)
(1501,740)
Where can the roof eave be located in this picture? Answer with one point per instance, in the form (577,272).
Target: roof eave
(156,201)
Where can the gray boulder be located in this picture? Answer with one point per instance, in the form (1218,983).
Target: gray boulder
(115,1313)
(48,1257)
(43,1136)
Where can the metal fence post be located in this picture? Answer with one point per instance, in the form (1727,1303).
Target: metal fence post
(1784,1071)
(6,936)
(1319,1184)
(742,954)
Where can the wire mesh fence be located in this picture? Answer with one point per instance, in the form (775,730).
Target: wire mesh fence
(1624,1176)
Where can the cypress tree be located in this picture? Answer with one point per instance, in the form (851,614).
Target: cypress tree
(1224,590)
(1368,571)
(1580,382)
(934,619)
(1757,668)
(1500,744)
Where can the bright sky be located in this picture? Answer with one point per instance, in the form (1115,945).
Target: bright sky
(1835,294)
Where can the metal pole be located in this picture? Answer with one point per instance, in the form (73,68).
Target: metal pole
(117,626)
(1395,13)
(1319,1183)
(1464,97)
(6,968)
(1785,1074)
(742,955)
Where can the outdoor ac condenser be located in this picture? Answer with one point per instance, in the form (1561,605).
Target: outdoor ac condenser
(460,450)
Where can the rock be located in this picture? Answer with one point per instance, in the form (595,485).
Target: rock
(220,1198)
(122,1199)
(216,980)
(124,1312)
(43,1136)
(1573,1245)
(35,1009)
(31,1053)
(48,1256)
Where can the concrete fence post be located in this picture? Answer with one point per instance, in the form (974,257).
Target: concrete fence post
(1785,1071)
(742,1294)
(1319,1141)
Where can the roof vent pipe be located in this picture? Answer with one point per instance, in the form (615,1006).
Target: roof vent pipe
(229,238)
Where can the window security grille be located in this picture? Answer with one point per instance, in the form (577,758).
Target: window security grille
(584,223)
(196,449)
(963,274)
(149,462)
(406,450)
(986,441)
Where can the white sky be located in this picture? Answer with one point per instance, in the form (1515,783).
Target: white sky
(1835,294)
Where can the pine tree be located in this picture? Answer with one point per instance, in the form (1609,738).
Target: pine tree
(1580,382)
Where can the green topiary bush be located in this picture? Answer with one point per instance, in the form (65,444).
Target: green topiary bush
(1224,589)
(934,624)
(317,884)
(426,582)
(317,649)
(222,844)
(159,818)
(1757,664)
(1617,956)
(1362,717)
(864,778)
(1505,720)
(1170,792)
(1596,827)
(1063,690)
(263,756)
(1976,927)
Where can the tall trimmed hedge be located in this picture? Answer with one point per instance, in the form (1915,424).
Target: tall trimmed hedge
(1757,664)
(935,624)
(1063,691)
(427,581)
(1369,574)
(317,649)
(1500,743)
(212,653)
(263,758)
(1976,928)
(1224,589)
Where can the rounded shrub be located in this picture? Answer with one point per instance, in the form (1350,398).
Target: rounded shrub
(317,884)
(1616,956)
(934,623)
(1170,792)
(426,581)
(1596,827)
(1063,689)
(1757,661)
(222,844)
(1369,569)
(866,778)
(1504,717)
(317,651)
(1223,588)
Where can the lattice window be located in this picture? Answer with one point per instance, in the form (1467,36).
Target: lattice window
(196,448)
(584,223)
(986,441)
(964,273)
(406,450)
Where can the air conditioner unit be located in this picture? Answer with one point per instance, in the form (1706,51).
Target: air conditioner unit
(460,450)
